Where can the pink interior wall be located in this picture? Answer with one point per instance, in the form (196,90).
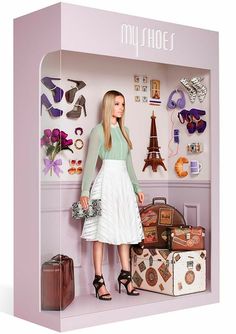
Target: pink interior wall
(192,199)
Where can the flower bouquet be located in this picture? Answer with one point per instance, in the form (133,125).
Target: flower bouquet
(54,141)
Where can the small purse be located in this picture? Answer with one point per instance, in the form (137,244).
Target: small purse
(94,209)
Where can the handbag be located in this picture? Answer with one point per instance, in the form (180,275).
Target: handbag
(94,209)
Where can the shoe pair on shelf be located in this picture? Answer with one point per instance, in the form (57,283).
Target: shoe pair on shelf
(195,88)
(57,94)
(123,278)
(193,119)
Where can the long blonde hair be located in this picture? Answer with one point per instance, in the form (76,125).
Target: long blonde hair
(108,103)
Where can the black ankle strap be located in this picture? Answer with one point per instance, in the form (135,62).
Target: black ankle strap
(98,276)
(98,281)
(128,272)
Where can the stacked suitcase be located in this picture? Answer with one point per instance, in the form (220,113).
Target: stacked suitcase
(172,257)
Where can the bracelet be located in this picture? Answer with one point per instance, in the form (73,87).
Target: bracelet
(81,131)
(76,145)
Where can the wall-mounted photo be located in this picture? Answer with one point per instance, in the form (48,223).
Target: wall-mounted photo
(155,89)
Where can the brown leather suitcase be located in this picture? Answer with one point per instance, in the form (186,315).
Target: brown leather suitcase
(186,238)
(156,217)
(57,283)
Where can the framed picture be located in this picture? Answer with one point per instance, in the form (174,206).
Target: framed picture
(136,79)
(155,89)
(145,79)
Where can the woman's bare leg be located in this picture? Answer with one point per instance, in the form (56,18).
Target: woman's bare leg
(97,261)
(123,251)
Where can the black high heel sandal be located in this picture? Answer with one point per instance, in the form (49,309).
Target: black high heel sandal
(97,283)
(126,275)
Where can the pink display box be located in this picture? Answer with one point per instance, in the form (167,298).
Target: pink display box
(107,51)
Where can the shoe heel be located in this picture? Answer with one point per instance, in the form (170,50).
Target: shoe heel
(82,102)
(85,113)
(41,107)
(119,287)
(72,80)
(48,80)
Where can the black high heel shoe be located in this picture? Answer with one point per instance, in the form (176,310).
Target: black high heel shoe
(76,111)
(70,94)
(126,275)
(97,283)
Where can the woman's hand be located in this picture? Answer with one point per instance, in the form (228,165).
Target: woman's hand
(84,202)
(140,197)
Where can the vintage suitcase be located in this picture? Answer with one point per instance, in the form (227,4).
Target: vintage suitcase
(186,238)
(57,283)
(156,217)
(166,272)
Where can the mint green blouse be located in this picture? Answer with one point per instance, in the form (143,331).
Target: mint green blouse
(119,151)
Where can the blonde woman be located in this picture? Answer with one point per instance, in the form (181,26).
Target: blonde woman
(116,185)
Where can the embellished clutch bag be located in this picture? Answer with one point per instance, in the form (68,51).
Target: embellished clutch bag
(94,209)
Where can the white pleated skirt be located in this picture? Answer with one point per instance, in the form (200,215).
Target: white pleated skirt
(120,222)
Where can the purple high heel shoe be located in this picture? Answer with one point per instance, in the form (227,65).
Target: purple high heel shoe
(57,92)
(54,112)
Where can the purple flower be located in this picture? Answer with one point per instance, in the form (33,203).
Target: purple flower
(45,140)
(65,142)
(42,141)
(54,139)
(63,135)
(56,133)
(47,133)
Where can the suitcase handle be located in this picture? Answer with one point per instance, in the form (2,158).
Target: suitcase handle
(158,199)
(60,257)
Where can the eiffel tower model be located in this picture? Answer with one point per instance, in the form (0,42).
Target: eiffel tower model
(154,158)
